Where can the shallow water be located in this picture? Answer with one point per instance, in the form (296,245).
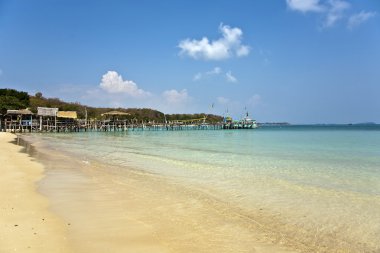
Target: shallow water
(308,188)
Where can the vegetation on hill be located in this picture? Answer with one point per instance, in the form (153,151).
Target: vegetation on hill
(39,101)
(209,117)
(11,99)
(20,100)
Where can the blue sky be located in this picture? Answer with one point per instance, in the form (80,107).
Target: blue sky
(300,61)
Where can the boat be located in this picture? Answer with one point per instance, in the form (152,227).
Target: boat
(248,123)
(244,123)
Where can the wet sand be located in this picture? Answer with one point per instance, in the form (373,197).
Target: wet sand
(85,206)
(26,224)
(113,209)
(29,222)
(94,205)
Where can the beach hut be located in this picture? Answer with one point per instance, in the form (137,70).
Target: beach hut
(48,118)
(47,111)
(67,115)
(18,119)
(113,120)
(115,113)
(67,120)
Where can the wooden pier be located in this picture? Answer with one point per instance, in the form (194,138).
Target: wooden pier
(17,121)
(50,120)
(102,126)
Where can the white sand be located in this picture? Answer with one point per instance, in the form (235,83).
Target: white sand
(26,224)
(90,210)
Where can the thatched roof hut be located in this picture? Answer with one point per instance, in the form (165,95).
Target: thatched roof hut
(19,112)
(116,113)
(67,114)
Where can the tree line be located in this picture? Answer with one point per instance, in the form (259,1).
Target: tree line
(11,99)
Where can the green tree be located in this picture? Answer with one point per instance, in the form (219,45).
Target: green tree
(38,95)
(11,99)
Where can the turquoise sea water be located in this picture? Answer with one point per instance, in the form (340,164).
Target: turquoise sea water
(317,181)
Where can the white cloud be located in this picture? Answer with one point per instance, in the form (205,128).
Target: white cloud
(305,5)
(335,12)
(222,100)
(1,72)
(176,97)
(225,47)
(359,18)
(112,82)
(230,77)
(331,10)
(242,51)
(215,71)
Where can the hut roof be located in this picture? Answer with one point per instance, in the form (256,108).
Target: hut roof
(20,112)
(46,111)
(116,113)
(67,114)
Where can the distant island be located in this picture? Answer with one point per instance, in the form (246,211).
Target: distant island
(274,124)
(349,124)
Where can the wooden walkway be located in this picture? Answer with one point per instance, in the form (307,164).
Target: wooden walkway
(101,126)
(80,125)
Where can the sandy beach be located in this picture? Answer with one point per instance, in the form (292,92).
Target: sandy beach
(56,199)
(27,225)
(190,126)
(70,206)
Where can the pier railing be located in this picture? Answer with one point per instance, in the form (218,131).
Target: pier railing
(107,125)
(51,125)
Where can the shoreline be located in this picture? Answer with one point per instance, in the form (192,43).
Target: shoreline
(27,224)
(113,210)
(29,216)
(106,207)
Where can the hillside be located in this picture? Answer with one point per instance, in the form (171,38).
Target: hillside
(12,99)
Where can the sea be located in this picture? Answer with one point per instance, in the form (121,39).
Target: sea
(313,188)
